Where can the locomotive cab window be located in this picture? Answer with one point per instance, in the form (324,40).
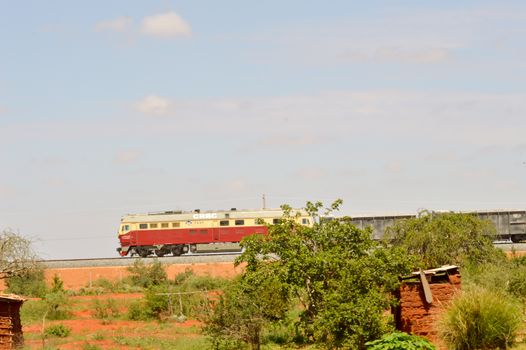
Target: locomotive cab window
(224,223)
(240,222)
(143,226)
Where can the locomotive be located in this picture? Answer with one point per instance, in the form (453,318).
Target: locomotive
(180,232)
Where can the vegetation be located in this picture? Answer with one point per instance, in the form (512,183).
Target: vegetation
(58,330)
(185,296)
(337,273)
(481,319)
(147,275)
(16,255)
(246,306)
(30,283)
(105,310)
(400,341)
(446,238)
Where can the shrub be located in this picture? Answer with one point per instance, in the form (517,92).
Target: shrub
(58,330)
(145,276)
(400,341)
(88,346)
(481,319)
(33,310)
(31,283)
(137,311)
(58,306)
(105,310)
(57,285)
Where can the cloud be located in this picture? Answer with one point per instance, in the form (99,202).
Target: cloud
(126,157)
(165,25)
(153,105)
(120,24)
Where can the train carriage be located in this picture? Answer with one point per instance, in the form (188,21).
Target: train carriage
(510,224)
(178,232)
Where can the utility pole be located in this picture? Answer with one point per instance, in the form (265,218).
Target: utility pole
(264,201)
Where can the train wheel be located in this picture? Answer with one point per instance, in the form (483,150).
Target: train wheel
(177,251)
(159,252)
(143,252)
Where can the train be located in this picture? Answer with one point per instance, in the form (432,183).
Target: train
(510,224)
(181,232)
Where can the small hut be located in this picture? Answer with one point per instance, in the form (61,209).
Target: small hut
(423,296)
(11,336)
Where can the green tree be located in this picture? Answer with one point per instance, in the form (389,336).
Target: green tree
(339,274)
(31,283)
(446,238)
(246,307)
(57,301)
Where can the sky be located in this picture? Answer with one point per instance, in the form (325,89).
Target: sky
(116,107)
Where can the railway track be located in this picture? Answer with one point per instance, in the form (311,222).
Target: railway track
(195,258)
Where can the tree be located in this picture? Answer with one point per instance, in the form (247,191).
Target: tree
(446,238)
(245,307)
(338,273)
(31,283)
(16,255)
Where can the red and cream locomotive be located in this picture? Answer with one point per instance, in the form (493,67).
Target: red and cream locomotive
(179,232)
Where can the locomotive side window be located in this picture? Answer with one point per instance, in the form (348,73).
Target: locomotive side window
(153,225)
(240,222)
(143,226)
(164,225)
(175,224)
(305,221)
(276,221)
(224,223)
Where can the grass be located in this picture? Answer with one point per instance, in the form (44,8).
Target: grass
(147,343)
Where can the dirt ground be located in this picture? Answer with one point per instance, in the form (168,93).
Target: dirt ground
(87,330)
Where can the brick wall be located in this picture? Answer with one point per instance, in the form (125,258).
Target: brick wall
(417,317)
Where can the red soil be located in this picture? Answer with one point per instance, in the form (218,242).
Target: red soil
(78,277)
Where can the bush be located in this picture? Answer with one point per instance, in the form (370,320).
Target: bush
(58,330)
(31,283)
(32,311)
(145,276)
(188,281)
(400,341)
(58,306)
(137,311)
(105,310)
(481,319)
